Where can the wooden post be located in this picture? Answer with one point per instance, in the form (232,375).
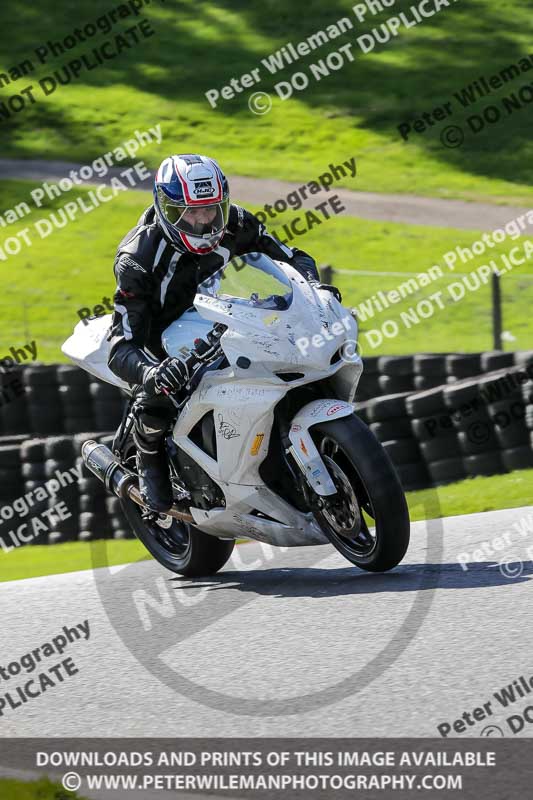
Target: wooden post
(496,311)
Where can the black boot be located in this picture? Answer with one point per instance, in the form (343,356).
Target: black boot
(152,464)
(154,481)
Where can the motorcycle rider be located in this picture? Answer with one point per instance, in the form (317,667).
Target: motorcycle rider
(189,232)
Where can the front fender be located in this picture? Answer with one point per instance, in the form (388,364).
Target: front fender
(303,448)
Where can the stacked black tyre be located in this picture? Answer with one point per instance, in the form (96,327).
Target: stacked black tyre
(11,479)
(470,415)
(64,504)
(524,361)
(527,390)
(49,399)
(430,370)
(13,413)
(369,382)
(120,528)
(509,419)
(433,428)
(107,405)
(462,365)
(396,374)
(515,420)
(75,399)
(59,499)
(32,457)
(495,360)
(100,514)
(41,391)
(387,418)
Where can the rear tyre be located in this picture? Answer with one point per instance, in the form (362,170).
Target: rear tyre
(176,545)
(369,491)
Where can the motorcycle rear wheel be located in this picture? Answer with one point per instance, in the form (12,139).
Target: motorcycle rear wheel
(178,546)
(369,491)
(181,547)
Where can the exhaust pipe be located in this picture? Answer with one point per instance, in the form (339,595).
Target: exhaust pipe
(118,480)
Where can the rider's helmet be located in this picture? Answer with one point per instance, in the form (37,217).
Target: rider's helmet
(191,199)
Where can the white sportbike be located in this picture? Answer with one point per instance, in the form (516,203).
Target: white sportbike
(266,445)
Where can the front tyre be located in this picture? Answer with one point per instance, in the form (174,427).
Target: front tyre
(369,494)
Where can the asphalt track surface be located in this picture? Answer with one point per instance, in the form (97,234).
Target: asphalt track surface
(404,208)
(284,642)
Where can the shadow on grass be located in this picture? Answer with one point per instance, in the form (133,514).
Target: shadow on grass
(203,45)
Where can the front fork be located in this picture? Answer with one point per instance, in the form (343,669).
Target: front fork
(299,443)
(298,472)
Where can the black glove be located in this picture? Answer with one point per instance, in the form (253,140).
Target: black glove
(333,289)
(168,377)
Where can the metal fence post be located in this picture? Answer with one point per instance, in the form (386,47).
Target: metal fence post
(326,274)
(496,311)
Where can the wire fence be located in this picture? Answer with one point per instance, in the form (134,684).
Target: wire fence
(379,273)
(496,292)
(36,318)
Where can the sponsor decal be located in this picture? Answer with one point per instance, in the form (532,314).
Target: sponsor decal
(296,428)
(203,188)
(258,441)
(96,466)
(335,408)
(226,429)
(271,320)
(127,261)
(303,448)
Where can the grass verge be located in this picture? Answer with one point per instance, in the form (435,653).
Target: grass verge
(512,490)
(466,497)
(72,269)
(42,789)
(352,111)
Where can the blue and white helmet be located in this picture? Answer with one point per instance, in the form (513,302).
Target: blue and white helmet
(191,199)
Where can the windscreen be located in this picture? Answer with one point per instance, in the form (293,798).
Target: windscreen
(253,279)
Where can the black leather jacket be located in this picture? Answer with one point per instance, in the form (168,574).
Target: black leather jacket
(156,283)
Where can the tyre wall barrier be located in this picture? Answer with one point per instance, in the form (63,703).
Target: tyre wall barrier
(394,374)
(47,495)
(464,427)
(459,426)
(50,399)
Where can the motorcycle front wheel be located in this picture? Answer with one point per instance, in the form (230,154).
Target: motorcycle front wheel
(367,520)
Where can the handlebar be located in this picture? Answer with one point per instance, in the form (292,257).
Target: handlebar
(205,350)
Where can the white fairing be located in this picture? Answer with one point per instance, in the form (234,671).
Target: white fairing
(89,348)
(243,400)
(303,447)
(179,337)
(265,339)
